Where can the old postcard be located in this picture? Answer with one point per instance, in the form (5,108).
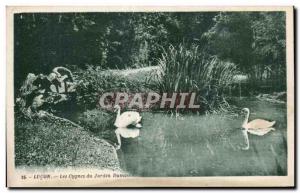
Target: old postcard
(150,97)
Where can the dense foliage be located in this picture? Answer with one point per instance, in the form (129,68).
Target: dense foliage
(94,82)
(254,41)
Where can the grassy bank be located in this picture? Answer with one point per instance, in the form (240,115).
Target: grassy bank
(52,143)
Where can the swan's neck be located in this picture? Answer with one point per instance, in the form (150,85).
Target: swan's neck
(118,113)
(246,119)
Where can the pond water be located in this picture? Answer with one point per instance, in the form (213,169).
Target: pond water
(207,145)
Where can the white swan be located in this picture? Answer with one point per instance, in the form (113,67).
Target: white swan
(123,121)
(258,127)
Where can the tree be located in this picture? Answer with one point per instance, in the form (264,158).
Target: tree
(231,38)
(269,45)
(255,41)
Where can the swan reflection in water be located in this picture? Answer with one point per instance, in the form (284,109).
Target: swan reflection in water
(258,127)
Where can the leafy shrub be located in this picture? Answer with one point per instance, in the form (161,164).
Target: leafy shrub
(95,81)
(189,70)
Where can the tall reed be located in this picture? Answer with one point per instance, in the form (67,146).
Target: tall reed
(185,69)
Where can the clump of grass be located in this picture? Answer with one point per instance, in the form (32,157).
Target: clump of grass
(184,69)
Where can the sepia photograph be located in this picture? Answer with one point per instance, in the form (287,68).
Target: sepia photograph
(150,97)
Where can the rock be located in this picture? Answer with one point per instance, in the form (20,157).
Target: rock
(276,97)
